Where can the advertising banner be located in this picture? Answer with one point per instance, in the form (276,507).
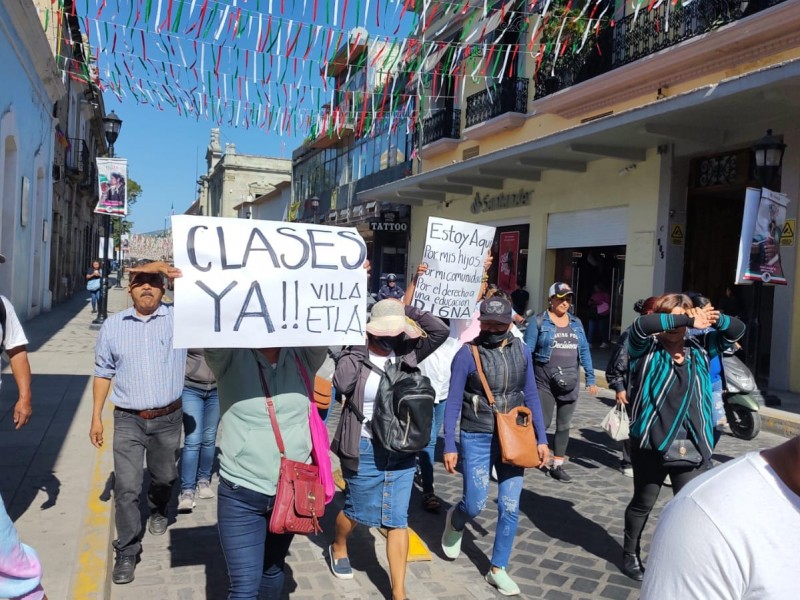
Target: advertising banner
(454,252)
(112,178)
(508,255)
(763,225)
(259,284)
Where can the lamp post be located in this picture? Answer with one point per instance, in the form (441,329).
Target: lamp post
(768,158)
(315,207)
(111,124)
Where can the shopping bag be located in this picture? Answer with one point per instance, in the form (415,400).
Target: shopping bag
(616,423)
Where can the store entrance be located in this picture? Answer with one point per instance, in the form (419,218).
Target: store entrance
(588,269)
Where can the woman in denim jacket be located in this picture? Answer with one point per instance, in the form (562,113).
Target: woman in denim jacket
(559,345)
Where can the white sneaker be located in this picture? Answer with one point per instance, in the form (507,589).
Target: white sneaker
(501,580)
(451,539)
(186,501)
(204,490)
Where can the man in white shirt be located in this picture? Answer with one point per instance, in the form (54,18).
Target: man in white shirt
(733,533)
(20,571)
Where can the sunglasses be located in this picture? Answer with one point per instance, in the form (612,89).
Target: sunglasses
(557,300)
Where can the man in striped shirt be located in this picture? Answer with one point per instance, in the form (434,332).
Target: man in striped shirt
(135,349)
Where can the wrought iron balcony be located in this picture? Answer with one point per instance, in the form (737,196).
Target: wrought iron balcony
(77,159)
(509,96)
(632,39)
(444,123)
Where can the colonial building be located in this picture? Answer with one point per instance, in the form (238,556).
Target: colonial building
(622,161)
(32,85)
(79,140)
(342,157)
(232,178)
(272,205)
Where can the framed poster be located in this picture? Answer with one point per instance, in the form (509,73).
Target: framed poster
(509,252)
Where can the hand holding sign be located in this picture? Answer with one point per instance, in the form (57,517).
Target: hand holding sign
(250,284)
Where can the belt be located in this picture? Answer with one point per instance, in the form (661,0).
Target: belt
(152,413)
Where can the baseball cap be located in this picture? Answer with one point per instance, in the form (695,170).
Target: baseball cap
(496,309)
(2,258)
(560,290)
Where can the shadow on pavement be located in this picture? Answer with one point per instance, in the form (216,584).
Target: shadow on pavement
(200,546)
(558,519)
(41,328)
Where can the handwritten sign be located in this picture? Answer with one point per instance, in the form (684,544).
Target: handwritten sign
(257,284)
(454,252)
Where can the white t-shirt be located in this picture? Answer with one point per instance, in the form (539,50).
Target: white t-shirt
(14,337)
(438,366)
(371,390)
(732,534)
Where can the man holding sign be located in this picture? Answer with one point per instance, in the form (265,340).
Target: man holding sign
(455,253)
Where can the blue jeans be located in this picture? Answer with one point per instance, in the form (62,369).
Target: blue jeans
(598,325)
(255,557)
(95,295)
(479,452)
(426,458)
(200,422)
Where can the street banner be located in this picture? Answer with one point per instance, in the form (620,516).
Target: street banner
(101,251)
(454,252)
(760,244)
(267,284)
(112,178)
(508,255)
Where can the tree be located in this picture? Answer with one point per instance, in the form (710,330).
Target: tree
(123,225)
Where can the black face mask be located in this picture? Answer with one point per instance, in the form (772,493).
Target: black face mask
(387,344)
(491,339)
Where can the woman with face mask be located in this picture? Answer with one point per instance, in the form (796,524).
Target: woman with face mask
(507,364)
(379,481)
(558,342)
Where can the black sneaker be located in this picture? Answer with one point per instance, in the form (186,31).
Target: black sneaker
(124,567)
(157,524)
(560,474)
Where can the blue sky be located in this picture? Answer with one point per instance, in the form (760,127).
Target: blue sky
(166,154)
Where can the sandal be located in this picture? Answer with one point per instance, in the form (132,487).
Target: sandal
(431,503)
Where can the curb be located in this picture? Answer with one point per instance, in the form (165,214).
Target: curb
(91,576)
(780,422)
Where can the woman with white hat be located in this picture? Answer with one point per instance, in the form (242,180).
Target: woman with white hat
(379,481)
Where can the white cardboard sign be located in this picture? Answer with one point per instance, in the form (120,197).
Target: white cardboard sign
(265,284)
(454,252)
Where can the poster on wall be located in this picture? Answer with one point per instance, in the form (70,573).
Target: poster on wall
(112,179)
(454,252)
(508,254)
(267,284)
(760,243)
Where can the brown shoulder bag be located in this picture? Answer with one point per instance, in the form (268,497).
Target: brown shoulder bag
(518,444)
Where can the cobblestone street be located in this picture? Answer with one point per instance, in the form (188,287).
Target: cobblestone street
(568,546)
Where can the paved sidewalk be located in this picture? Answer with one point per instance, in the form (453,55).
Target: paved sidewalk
(46,466)
(568,544)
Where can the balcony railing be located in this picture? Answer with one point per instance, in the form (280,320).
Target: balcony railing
(444,123)
(630,40)
(509,96)
(77,158)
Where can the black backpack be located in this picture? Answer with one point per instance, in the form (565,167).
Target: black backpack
(403,412)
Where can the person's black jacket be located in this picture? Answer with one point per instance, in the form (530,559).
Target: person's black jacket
(617,368)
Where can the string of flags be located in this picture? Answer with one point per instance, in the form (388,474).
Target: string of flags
(268,63)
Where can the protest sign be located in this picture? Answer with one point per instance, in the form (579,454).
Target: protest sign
(258,284)
(760,243)
(454,252)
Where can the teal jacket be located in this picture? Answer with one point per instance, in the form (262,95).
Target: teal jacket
(249,453)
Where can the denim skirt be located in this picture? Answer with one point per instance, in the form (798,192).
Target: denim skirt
(377,495)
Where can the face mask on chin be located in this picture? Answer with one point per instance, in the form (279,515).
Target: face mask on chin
(491,339)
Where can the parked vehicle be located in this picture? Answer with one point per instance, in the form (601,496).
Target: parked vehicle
(741,397)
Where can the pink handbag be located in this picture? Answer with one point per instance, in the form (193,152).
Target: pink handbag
(319,439)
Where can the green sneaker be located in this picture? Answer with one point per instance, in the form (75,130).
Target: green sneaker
(451,539)
(501,580)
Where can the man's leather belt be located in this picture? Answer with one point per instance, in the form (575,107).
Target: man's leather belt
(152,413)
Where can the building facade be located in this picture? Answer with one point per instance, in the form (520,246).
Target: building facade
(624,167)
(349,152)
(232,178)
(33,85)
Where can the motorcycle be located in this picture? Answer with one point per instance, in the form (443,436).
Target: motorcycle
(741,398)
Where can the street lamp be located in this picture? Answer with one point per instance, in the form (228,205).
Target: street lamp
(111,125)
(315,207)
(767,158)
